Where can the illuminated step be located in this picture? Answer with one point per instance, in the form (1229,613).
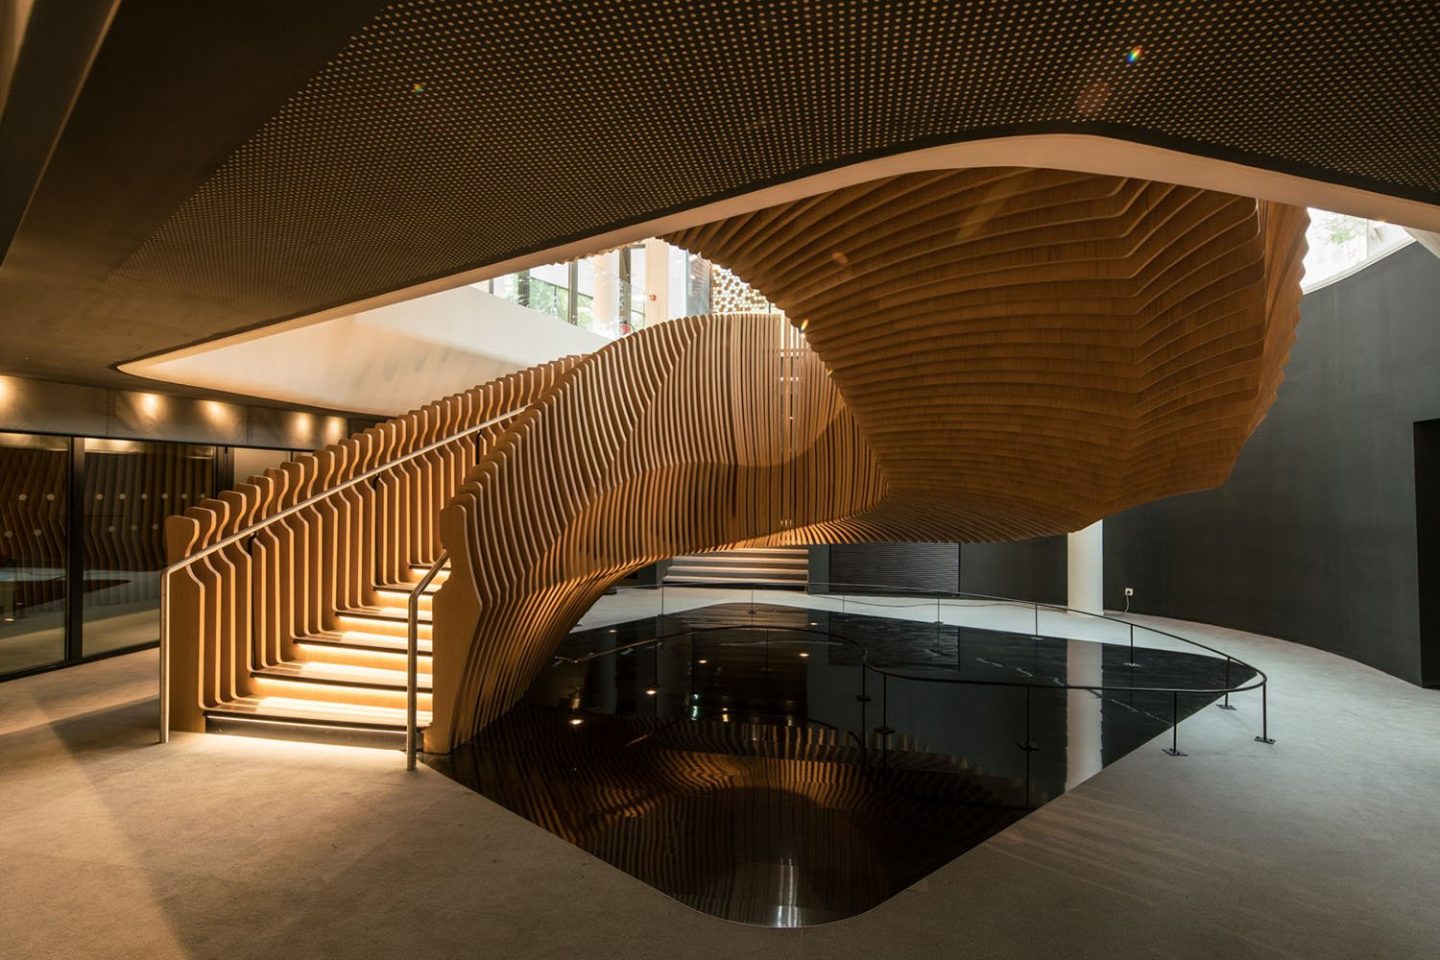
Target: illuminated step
(317,711)
(342,674)
(339,651)
(371,640)
(417,572)
(377,623)
(399,598)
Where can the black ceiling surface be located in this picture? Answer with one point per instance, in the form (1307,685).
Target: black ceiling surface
(350,149)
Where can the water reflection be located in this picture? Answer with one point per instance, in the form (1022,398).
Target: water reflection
(757,772)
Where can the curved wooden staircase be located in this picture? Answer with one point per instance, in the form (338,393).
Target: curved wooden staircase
(970,355)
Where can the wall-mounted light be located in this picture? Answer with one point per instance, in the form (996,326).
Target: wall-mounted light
(151,404)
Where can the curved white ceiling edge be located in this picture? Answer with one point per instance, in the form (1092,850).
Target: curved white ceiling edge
(1429,239)
(387,361)
(1084,153)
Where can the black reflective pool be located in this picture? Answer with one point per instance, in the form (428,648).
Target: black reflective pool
(746,765)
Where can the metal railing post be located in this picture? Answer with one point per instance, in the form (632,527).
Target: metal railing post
(1227,705)
(1264,714)
(412,658)
(884,729)
(1174,749)
(1029,746)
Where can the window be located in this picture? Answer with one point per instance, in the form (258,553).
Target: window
(1341,244)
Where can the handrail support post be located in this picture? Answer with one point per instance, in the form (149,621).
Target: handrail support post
(1174,748)
(1264,715)
(412,658)
(1226,704)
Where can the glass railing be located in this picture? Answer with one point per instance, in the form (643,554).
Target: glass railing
(1029,697)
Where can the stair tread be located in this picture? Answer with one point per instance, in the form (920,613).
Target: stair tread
(733,572)
(776,567)
(731,581)
(342,674)
(399,615)
(402,591)
(286,708)
(360,640)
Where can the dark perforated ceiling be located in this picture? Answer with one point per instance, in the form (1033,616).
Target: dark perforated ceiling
(444,136)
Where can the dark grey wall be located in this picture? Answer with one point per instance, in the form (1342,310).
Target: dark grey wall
(1313,537)
(907,566)
(1024,570)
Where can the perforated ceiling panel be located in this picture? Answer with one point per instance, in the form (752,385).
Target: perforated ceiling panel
(444,136)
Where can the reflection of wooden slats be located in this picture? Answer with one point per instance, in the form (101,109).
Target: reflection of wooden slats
(128,495)
(729,789)
(1019,352)
(32,523)
(241,611)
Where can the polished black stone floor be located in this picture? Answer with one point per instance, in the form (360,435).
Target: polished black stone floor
(743,761)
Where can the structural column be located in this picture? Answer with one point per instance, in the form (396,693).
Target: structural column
(1085,568)
(1083,741)
(657,282)
(605,306)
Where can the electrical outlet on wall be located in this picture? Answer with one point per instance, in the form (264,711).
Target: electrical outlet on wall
(1129,591)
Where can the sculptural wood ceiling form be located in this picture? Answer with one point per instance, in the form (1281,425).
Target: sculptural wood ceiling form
(986,354)
(1019,353)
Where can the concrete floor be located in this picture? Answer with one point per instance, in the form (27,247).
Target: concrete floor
(1324,845)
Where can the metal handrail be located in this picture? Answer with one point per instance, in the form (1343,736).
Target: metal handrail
(412,655)
(261,524)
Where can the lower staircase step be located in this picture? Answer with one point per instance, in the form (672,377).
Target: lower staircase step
(697,580)
(312,720)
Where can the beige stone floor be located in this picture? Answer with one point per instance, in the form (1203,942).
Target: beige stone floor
(1324,845)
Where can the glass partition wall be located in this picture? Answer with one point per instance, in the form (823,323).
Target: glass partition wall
(130,486)
(34,550)
(82,527)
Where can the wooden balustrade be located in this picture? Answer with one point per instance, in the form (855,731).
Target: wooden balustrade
(239,615)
